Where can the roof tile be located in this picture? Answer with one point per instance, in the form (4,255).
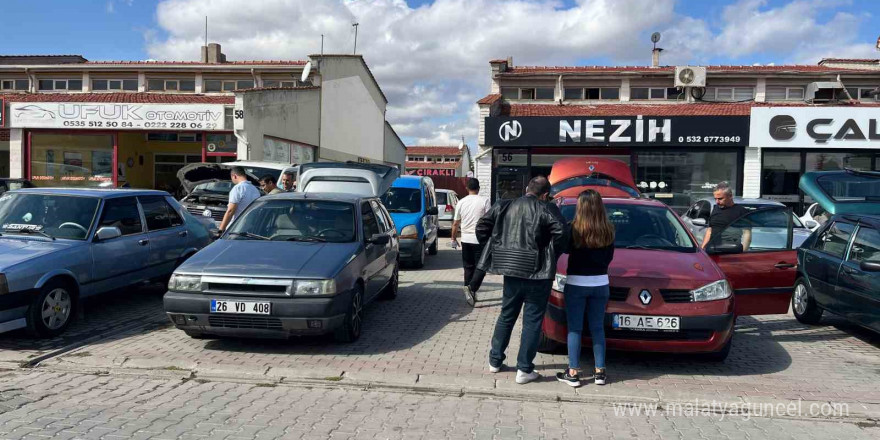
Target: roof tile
(138,98)
(437,166)
(490,99)
(199,63)
(433,150)
(806,68)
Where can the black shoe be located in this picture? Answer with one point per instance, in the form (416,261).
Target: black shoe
(599,377)
(469,296)
(572,381)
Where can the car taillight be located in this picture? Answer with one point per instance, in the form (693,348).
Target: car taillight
(449,208)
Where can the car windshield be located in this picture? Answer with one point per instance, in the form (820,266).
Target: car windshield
(58,216)
(222,187)
(643,227)
(403,200)
(851,187)
(441,198)
(296,220)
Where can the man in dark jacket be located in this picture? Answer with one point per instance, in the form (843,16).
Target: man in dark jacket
(524,238)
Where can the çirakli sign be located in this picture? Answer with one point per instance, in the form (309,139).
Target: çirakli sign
(431,172)
(819,127)
(117,116)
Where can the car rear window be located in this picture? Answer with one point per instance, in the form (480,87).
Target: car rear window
(850,187)
(441,198)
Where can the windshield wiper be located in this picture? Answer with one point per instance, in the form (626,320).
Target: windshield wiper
(310,238)
(30,231)
(638,246)
(249,235)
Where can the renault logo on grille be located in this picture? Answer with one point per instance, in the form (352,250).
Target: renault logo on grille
(645,297)
(510,131)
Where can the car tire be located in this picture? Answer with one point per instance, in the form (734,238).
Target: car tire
(720,355)
(52,310)
(432,250)
(390,291)
(420,260)
(803,305)
(351,329)
(547,345)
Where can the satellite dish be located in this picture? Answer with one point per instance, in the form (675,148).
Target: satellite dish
(306,71)
(655,37)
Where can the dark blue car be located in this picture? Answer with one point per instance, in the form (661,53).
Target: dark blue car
(839,265)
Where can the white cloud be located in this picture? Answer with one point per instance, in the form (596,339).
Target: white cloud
(432,61)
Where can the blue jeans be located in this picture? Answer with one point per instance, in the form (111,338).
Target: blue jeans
(593,300)
(520,292)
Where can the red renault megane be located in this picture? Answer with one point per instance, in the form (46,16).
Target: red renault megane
(668,294)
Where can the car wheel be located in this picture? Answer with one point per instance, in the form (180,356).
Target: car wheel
(433,249)
(350,330)
(52,310)
(547,345)
(390,291)
(803,305)
(420,260)
(720,355)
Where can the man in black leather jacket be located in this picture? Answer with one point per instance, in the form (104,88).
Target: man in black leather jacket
(524,237)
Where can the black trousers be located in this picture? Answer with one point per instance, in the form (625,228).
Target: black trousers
(470,255)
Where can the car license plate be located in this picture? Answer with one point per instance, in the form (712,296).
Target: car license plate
(646,323)
(257,308)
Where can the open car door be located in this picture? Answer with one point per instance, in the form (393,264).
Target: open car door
(611,178)
(364,179)
(756,255)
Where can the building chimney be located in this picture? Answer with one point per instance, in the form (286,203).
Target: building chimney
(655,57)
(211,54)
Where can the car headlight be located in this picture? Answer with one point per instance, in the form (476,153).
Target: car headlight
(314,287)
(409,231)
(4,285)
(559,283)
(185,283)
(713,291)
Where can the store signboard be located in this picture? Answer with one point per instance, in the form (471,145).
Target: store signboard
(815,127)
(622,131)
(117,116)
(430,172)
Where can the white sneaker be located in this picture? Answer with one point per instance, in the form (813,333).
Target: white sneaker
(524,378)
(495,369)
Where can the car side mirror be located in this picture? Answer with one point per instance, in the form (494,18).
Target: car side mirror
(431,211)
(811,224)
(870,266)
(107,233)
(699,222)
(379,239)
(724,248)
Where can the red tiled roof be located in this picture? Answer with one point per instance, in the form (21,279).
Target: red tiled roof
(808,68)
(433,150)
(490,99)
(850,60)
(260,89)
(138,98)
(436,166)
(697,109)
(245,62)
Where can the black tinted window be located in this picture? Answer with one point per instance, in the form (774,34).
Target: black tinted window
(158,214)
(835,239)
(441,198)
(866,247)
(371,225)
(383,222)
(123,214)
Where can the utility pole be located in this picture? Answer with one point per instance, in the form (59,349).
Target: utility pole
(355,38)
(322,44)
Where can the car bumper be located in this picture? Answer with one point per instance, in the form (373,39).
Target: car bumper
(289,316)
(444,224)
(410,248)
(698,334)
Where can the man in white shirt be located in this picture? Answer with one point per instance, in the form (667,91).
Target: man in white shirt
(467,213)
(241,196)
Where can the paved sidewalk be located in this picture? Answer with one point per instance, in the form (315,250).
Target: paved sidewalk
(43,405)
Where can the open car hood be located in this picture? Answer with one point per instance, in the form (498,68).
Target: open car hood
(323,175)
(611,178)
(196,174)
(844,192)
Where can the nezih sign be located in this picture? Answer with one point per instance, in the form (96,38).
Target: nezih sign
(821,127)
(115,116)
(538,131)
(431,172)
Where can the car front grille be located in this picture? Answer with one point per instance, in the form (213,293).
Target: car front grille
(619,293)
(257,289)
(676,295)
(216,215)
(254,322)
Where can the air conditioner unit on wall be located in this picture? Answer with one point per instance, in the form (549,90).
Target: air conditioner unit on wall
(690,76)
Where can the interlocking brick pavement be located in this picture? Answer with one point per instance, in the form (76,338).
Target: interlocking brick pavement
(78,406)
(429,334)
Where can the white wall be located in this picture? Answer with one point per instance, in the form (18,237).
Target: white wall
(16,153)
(752,173)
(288,114)
(395,150)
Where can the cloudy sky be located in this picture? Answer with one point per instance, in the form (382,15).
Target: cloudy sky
(431,57)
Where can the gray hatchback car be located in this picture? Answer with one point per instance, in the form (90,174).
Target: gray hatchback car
(301,263)
(59,246)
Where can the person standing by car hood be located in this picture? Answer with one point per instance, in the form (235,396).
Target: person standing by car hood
(241,196)
(524,239)
(725,213)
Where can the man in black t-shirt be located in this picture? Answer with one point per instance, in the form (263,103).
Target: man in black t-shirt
(723,215)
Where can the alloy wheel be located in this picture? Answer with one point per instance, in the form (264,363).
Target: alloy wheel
(801,296)
(56,309)
(356,308)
